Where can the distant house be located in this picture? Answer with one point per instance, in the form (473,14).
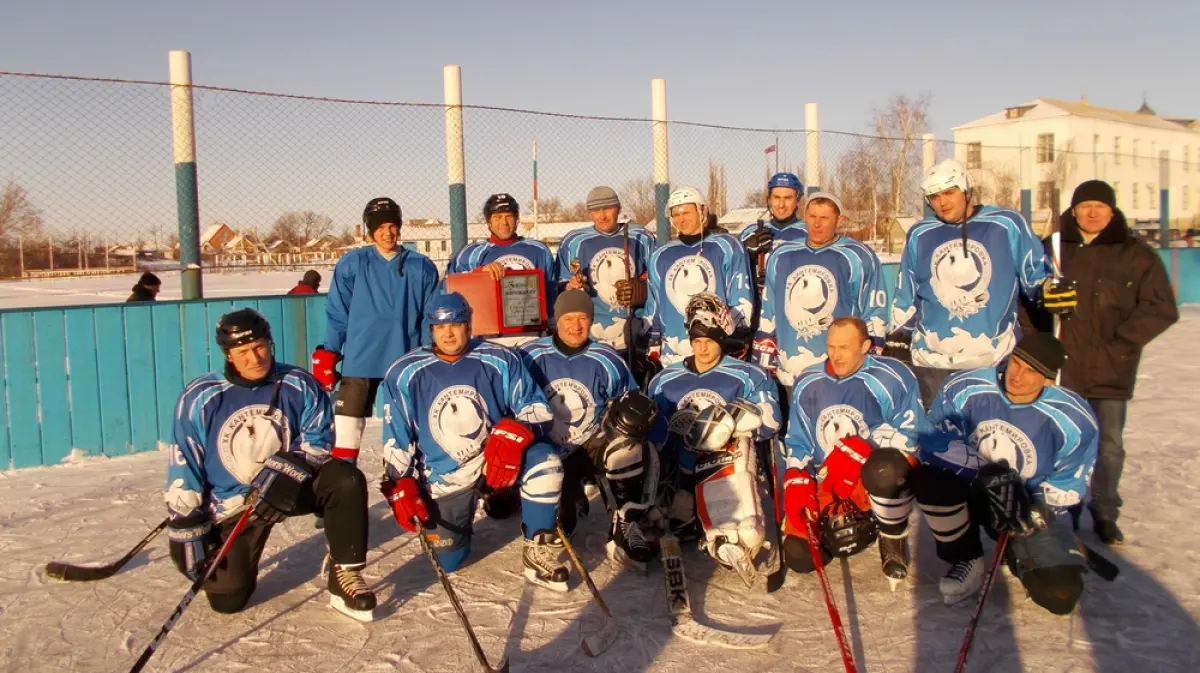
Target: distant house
(243,245)
(279,246)
(215,238)
(321,244)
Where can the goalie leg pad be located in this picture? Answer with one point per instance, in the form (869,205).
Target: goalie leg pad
(727,498)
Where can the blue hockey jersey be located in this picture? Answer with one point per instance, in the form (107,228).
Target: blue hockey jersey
(1051,441)
(881,402)
(681,393)
(520,255)
(578,387)
(806,288)
(224,433)
(437,414)
(962,308)
(375,311)
(717,263)
(601,259)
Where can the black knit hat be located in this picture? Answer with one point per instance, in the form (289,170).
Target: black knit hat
(311,278)
(1094,190)
(1043,352)
(149,279)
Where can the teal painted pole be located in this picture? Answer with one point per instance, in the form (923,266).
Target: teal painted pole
(456,166)
(1164,199)
(187,201)
(662,170)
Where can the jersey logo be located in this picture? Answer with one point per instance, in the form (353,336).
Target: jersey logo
(514,262)
(689,275)
(960,281)
(605,269)
(810,297)
(837,422)
(248,437)
(997,440)
(690,405)
(457,421)
(574,409)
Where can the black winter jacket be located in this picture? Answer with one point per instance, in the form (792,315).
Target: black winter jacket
(1125,301)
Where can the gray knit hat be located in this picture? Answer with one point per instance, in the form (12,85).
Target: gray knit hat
(574,301)
(602,197)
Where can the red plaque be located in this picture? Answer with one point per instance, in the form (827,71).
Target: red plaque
(516,304)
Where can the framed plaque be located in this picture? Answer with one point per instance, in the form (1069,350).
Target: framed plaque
(516,304)
(522,302)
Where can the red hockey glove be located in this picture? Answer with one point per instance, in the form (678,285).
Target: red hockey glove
(766,354)
(503,452)
(843,466)
(324,368)
(404,495)
(799,498)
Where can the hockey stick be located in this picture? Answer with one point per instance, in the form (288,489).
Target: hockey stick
(969,637)
(197,585)
(775,580)
(595,645)
(86,573)
(1099,563)
(462,616)
(819,564)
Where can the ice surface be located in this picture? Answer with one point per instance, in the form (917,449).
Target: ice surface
(96,510)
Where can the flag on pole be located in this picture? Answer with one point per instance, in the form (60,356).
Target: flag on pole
(769,150)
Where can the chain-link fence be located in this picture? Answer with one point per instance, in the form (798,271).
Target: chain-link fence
(88,184)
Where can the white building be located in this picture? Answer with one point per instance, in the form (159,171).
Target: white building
(1047,144)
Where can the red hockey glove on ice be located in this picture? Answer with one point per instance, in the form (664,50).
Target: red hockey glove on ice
(324,368)
(843,466)
(404,495)
(766,353)
(503,452)
(799,496)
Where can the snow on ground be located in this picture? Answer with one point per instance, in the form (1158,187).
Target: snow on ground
(116,288)
(96,509)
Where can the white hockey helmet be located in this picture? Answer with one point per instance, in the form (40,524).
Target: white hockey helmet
(948,173)
(685,195)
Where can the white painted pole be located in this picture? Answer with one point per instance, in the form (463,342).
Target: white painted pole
(456,165)
(50,249)
(187,201)
(812,143)
(535,193)
(662,169)
(20,256)
(928,152)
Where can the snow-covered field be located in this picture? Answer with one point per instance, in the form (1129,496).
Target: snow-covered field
(116,288)
(95,509)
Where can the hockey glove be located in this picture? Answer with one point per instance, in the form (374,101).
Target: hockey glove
(193,540)
(1001,494)
(404,495)
(503,451)
(632,292)
(899,345)
(324,368)
(799,498)
(761,241)
(280,483)
(1059,296)
(842,468)
(765,354)
(737,345)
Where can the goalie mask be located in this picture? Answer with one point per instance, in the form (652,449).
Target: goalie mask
(631,415)
(707,317)
(847,530)
(711,430)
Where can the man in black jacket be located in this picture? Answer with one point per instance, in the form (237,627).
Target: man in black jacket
(147,288)
(1125,301)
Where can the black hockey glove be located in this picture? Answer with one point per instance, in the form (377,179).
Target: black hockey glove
(1059,296)
(1002,498)
(737,345)
(193,541)
(761,241)
(280,483)
(899,345)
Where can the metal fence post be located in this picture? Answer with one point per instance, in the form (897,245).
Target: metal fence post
(456,167)
(662,172)
(1164,199)
(187,206)
(812,149)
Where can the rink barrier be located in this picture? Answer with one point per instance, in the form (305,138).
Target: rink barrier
(104,379)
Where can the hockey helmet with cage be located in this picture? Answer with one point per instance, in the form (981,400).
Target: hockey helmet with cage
(947,174)
(449,307)
(845,529)
(501,203)
(684,196)
(707,316)
(631,415)
(242,327)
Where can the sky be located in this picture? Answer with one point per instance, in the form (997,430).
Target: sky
(725,63)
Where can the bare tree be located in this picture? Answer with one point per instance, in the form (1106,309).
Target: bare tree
(300,227)
(858,180)
(18,215)
(718,200)
(755,198)
(637,199)
(996,184)
(899,126)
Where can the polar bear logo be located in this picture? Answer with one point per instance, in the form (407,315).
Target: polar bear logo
(515,262)
(250,436)
(810,297)
(458,421)
(687,277)
(999,440)
(605,269)
(960,278)
(573,408)
(837,422)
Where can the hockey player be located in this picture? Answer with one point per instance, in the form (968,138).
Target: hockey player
(505,249)
(580,377)
(266,425)
(684,389)
(956,299)
(700,261)
(785,197)
(808,284)
(850,448)
(608,262)
(1011,450)
(374,314)
(463,417)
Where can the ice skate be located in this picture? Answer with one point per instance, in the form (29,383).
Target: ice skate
(542,558)
(348,592)
(962,580)
(893,557)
